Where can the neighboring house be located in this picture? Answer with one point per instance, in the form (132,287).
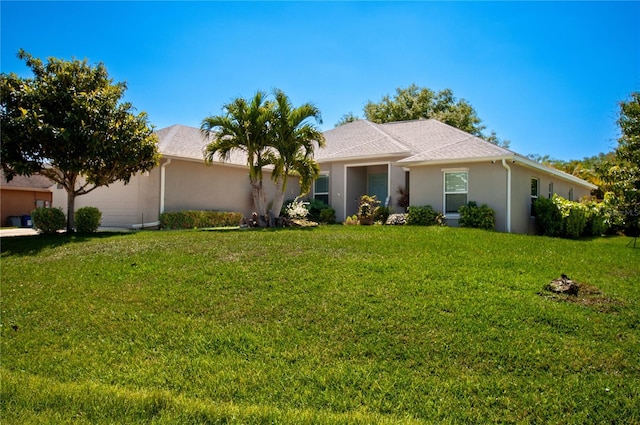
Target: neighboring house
(22,195)
(182,181)
(441,166)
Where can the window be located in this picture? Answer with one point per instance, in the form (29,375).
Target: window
(535,190)
(321,189)
(550,190)
(571,194)
(455,191)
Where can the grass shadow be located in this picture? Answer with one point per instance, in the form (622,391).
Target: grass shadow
(32,245)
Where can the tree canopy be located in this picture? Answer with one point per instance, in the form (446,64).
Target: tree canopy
(414,102)
(624,174)
(68,124)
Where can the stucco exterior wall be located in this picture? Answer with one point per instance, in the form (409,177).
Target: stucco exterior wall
(197,186)
(487,184)
(19,202)
(122,205)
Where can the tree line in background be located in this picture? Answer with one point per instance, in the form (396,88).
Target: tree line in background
(68,123)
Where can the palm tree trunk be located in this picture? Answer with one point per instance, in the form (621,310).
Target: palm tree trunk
(278,198)
(257,193)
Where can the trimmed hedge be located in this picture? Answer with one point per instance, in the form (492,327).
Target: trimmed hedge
(48,220)
(193,219)
(88,219)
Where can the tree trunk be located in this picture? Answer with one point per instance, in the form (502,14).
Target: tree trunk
(71,201)
(257,193)
(278,199)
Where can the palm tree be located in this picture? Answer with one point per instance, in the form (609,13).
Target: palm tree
(243,127)
(294,139)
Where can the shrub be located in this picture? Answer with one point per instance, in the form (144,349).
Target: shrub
(424,216)
(483,217)
(48,220)
(88,219)
(191,219)
(351,221)
(328,215)
(548,217)
(315,207)
(381,214)
(574,216)
(596,219)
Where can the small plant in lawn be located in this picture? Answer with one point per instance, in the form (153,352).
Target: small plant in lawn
(351,220)
(48,220)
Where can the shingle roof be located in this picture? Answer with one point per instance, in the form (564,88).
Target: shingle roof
(357,140)
(35,181)
(416,141)
(186,142)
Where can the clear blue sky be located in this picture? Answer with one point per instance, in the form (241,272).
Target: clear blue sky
(548,76)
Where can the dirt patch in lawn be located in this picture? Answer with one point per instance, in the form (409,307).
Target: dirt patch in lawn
(564,289)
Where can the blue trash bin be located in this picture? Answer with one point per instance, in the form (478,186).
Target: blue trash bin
(26,221)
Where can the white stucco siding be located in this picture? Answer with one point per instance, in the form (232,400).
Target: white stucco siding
(121,205)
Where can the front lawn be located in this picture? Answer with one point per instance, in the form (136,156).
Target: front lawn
(337,324)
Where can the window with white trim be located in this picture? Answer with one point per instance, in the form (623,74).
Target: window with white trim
(321,188)
(571,194)
(550,190)
(456,187)
(535,191)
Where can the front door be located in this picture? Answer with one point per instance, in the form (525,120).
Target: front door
(378,186)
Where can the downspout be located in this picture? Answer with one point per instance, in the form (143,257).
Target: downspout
(163,174)
(506,167)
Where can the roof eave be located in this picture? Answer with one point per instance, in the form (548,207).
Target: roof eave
(361,158)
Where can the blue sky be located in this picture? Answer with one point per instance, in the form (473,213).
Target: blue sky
(547,76)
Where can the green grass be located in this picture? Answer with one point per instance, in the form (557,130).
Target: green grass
(337,324)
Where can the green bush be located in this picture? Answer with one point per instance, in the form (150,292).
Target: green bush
(574,216)
(569,219)
(328,215)
(315,208)
(424,216)
(483,217)
(381,214)
(88,219)
(193,219)
(548,217)
(48,220)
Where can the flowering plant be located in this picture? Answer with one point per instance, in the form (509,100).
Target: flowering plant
(297,209)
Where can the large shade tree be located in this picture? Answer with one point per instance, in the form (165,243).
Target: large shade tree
(624,175)
(68,124)
(294,137)
(416,102)
(244,126)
